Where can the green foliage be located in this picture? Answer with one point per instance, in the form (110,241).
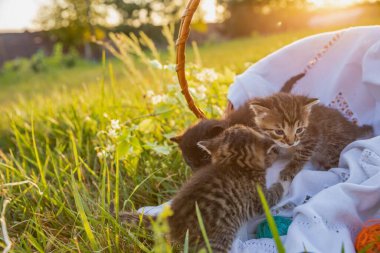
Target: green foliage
(161,230)
(100,144)
(39,62)
(15,65)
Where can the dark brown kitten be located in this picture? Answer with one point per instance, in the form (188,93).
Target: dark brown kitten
(206,129)
(225,192)
(304,129)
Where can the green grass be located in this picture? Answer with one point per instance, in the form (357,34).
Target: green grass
(63,161)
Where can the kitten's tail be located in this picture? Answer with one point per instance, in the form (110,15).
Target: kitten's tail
(288,86)
(365,132)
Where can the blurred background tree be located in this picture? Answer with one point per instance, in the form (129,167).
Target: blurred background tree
(136,13)
(74,22)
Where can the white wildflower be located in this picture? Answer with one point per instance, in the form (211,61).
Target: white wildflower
(110,148)
(201,95)
(156,64)
(192,90)
(112,133)
(105,115)
(115,124)
(101,154)
(87,118)
(101,133)
(171,67)
(149,93)
(159,99)
(207,75)
(202,89)
(156,99)
(173,87)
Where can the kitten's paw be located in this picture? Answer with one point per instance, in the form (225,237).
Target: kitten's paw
(286,175)
(286,186)
(271,157)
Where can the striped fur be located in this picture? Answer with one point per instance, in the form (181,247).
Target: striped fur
(306,130)
(225,192)
(206,129)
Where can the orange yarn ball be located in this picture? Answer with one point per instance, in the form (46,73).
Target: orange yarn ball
(368,238)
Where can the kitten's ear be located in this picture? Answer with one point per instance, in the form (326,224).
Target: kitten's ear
(215,130)
(176,139)
(259,110)
(209,145)
(310,103)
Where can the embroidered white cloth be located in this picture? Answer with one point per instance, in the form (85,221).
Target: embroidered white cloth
(328,207)
(343,73)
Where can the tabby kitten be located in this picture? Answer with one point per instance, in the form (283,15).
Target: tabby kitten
(305,130)
(225,192)
(206,129)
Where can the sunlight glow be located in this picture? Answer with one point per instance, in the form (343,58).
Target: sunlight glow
(209,8)
(17,15)
(333,3)
(16,18)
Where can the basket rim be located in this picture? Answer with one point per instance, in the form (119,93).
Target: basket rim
(183,35)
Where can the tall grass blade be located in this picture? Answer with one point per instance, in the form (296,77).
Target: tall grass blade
(82,214)
(202,227)
(76,156)
(272,224)
(197,55)
(116,199)
(37,156)
(186,244)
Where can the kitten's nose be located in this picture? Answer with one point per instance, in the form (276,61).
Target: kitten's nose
(290,143)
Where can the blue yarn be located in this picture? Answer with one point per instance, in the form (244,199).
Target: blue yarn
(282,224)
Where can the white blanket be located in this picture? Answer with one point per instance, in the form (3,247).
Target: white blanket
(328,207)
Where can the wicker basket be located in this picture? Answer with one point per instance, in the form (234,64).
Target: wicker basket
(183,35)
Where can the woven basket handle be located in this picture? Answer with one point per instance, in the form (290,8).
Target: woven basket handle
(183,35)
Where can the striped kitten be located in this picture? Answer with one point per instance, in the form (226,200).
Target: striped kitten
(225,192)
(305,130)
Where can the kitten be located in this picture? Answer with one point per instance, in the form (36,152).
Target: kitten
(305,130)
(225,192)
(206,129)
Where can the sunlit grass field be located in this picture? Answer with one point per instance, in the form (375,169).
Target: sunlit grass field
(75,141)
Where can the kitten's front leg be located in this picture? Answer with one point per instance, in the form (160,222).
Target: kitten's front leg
(302,154)
(272,155)
(275,193)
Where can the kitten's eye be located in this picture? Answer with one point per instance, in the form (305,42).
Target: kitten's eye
(300,130)
(279,132)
